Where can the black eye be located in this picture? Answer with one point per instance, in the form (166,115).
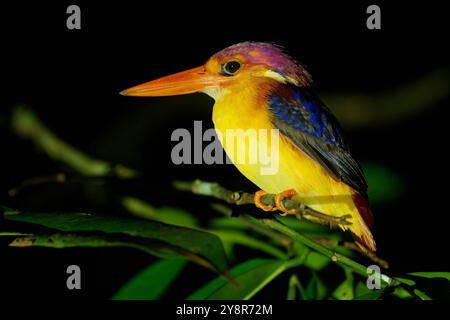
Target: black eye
(230,68)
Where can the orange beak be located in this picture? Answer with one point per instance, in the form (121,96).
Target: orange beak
(189,81)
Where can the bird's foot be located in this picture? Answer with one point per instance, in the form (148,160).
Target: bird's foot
(260,204)
(287,194)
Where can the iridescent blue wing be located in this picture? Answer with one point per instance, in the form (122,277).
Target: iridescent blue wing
(303,118)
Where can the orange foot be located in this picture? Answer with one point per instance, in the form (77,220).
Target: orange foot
(287,194)
(258,202)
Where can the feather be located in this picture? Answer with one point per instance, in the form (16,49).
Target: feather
(300,115)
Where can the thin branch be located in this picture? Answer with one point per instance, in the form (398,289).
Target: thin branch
(25,124)
(56,178)
(354,247)
(213,189)
(371,255)
(359,110)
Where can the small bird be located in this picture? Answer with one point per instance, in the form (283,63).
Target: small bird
(257,85)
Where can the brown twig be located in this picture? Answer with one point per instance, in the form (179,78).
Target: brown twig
(354,247)
(25,124)
(215,190)
(56,178)
(371,255)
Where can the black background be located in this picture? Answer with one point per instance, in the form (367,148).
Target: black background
(71,78)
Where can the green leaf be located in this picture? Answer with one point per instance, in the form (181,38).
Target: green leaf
(408,282)
(251,276)
(240,238)
(361,288)
(430,285)
(177,217)
(316,261)
(364,293)
(6,210)
(427,285)
(227,222)
(345,290)
(160,239)
(139,208)
(316,289)
(168,215)
(293,287)
(373,295)
(422,295)
(152,282)
(402,293)
(445,275)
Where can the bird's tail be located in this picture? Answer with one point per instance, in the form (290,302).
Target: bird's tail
(362,228)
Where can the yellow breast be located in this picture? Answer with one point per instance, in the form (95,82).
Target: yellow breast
(315,187)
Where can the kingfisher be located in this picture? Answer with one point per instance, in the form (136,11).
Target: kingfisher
(258,85)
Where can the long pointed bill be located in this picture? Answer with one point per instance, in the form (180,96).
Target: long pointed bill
(189,81)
